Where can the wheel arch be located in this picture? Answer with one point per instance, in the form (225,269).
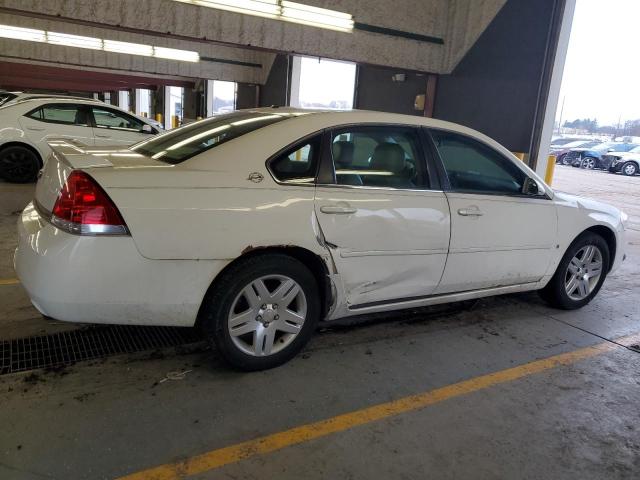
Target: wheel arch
(28,146)
(314,262)
(608,235)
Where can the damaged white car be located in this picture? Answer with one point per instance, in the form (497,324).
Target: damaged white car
(256,224)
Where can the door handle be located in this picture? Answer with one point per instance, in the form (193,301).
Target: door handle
(470,212)
(337,209)
(35,129)
(102,136)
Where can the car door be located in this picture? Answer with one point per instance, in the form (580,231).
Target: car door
(55,121)
(382,213)
(113,127)
(499,236)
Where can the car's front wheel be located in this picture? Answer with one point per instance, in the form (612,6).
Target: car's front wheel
(580,274)
(262,311)
(630,169)
(589,163)
(18,164)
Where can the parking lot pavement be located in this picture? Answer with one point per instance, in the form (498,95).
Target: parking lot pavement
(574,418)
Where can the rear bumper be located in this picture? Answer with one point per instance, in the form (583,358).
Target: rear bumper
(105,279)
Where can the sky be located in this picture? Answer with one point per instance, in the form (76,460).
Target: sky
(602,71)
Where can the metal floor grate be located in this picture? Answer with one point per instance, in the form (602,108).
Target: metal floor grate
(65,348)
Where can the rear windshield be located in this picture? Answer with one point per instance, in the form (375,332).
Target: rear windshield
(179,145)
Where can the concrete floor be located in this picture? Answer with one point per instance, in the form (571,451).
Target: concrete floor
(109,418)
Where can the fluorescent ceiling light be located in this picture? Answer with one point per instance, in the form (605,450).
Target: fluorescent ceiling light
(175,54)
(314,16)
(198,137)
(92,43)
(283,10)
(56,38)
(256,119)
(261,8)
(126,47)
(19,33)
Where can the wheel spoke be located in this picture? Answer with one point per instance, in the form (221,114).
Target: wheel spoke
(571,285)
(245,328)
(292,317)
(588,254)
(252,299)
(594,269)
(241,318)
(262,290)
(263,340)
(288,327)
(583,287)
(574,265)
(281,291)
(290,295)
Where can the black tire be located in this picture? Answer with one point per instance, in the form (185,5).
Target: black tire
(19,164)
(629,169)
(562,159)
(554,292)
(217,306)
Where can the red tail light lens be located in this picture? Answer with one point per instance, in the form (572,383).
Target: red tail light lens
(83,208)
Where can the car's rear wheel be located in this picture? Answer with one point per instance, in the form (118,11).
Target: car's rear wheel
(262,311)
(19,164)
(589,163)
(580,274)
(630,169)
(564,160)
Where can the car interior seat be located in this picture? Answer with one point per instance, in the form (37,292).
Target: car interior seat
(390,158)
(342,151)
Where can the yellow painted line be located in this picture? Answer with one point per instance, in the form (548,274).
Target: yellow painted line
(9,281)
(277,441)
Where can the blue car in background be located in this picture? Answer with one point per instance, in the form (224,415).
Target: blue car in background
(592,157)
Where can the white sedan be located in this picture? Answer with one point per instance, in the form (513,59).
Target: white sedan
(254,225)
(29,122)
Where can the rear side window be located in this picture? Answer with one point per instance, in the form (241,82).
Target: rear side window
(186,142)
(473,167)
(65,113)
(112,119)
(298,164)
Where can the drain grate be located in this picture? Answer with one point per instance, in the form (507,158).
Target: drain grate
(65,348)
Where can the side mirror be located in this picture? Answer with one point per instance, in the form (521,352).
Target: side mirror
(533,188)
(146,128)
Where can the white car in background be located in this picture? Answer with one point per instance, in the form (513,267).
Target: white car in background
(255,225)
(28,124)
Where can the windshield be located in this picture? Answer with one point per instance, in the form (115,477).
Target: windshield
(635,149)
(6,97)
(603,147)
(185,142)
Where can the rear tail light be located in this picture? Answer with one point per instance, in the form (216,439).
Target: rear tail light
(83,208)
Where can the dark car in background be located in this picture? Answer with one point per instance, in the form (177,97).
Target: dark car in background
(591,158)
(627,163)
(560,151)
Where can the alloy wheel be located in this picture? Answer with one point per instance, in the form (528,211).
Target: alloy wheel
(629,169)
(589,163)
(267,315)
(583,272)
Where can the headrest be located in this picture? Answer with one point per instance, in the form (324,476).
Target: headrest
(388,157)
(342,152)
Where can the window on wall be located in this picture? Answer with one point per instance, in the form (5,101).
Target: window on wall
(143,102)
(222,97)
(320,83)
(175,96)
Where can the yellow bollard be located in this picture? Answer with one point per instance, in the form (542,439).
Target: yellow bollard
(520,156)
(159,117)
(551,166)
(175,121)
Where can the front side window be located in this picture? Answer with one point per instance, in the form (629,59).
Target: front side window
(377,157)
(297,164)
(65,113)
(473,167)
(112,119)
(183,143)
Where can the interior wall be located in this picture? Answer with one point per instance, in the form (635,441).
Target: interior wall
(495,88)
(376,90)
(246,96)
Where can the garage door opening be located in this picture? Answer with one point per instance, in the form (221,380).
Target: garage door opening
(321,83)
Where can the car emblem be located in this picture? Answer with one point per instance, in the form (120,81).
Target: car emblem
(255,177)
